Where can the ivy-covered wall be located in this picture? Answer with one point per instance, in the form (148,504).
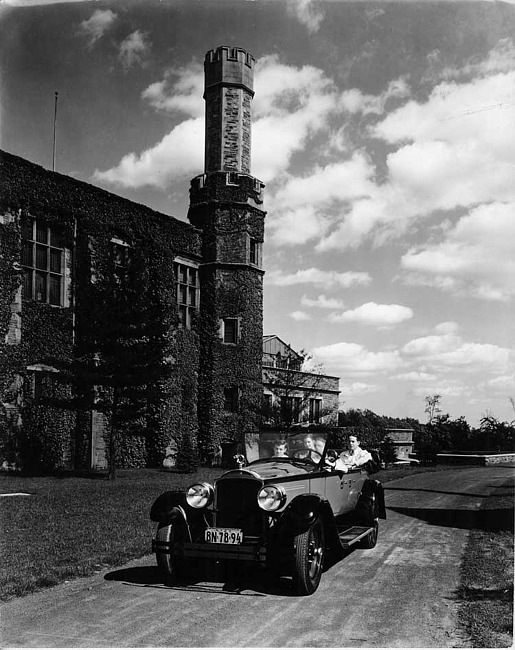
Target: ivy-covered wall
(89,219)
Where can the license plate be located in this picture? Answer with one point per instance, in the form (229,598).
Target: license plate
(224,535)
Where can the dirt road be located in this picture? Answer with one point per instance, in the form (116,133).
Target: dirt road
(400,594)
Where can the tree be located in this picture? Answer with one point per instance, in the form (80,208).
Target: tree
(295,393)
(122,356)
(494,435)
(387,449)
(432,407)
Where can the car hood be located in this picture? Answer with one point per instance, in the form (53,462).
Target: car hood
(269,469)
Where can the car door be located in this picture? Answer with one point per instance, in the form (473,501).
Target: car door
(337,492)
(355,478)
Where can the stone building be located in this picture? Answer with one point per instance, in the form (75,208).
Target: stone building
(60,237)
(403,442)
(292,395)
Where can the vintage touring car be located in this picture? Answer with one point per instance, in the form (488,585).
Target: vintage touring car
(283,508)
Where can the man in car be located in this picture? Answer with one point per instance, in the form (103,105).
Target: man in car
(353,458)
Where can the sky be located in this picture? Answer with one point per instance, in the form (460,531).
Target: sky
(385,135)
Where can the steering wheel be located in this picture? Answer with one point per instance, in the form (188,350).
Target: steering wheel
(304,453)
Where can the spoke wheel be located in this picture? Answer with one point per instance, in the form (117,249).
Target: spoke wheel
(168,563)
(371,539)
(309,559)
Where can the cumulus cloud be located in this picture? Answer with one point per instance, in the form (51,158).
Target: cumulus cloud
(415,376)
(357,389)
(458,140)
(133,50)
(355,101)
(475,257)
(319,278)
(322,302)
(444,387)
(305,207)
(97,24)
(178,155)
(504,384)
(353,359)
(300,316)
(450,353)
(291,103)
(36,3)
(371,313)
(500,59)
(180,91)
(308,12)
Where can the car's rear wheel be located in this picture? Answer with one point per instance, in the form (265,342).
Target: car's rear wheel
(370,540)
(309,559)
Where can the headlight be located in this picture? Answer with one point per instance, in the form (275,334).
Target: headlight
(271,498)
(199,495)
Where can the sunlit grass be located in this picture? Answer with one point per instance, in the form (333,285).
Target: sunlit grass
(70,527)
(486,591)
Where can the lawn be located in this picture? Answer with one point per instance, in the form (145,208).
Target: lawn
(69,527)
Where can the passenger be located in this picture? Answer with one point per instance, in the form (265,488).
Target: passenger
(281,449)
(354,458)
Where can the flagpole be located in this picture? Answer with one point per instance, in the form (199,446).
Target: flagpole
(55,120)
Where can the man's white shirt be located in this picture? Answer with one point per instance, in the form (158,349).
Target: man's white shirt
(350,459)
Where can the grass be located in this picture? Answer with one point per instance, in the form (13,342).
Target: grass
(485,595)
(70,527)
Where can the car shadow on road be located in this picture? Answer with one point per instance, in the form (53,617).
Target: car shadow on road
(487,520)
(256,582)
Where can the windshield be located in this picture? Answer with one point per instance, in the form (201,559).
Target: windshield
(293,446)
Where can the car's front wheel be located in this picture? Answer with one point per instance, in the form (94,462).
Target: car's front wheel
(172,567)
(166,561)
(309,559)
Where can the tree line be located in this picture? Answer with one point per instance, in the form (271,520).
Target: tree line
(440,433)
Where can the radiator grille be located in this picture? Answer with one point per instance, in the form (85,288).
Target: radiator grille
(236,505)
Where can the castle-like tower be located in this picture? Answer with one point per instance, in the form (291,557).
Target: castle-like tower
(226,205)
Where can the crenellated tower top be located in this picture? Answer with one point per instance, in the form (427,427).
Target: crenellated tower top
(230,66)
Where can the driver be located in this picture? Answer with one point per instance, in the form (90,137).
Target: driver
(281,449)
(309,450)
(353,458)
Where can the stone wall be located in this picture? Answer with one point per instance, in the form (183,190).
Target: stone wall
(476,459)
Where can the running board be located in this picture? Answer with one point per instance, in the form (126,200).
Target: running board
(350,536)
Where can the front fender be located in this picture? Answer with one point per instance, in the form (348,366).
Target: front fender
(172,507)
(166,506)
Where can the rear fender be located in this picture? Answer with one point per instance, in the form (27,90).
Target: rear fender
(375,488)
